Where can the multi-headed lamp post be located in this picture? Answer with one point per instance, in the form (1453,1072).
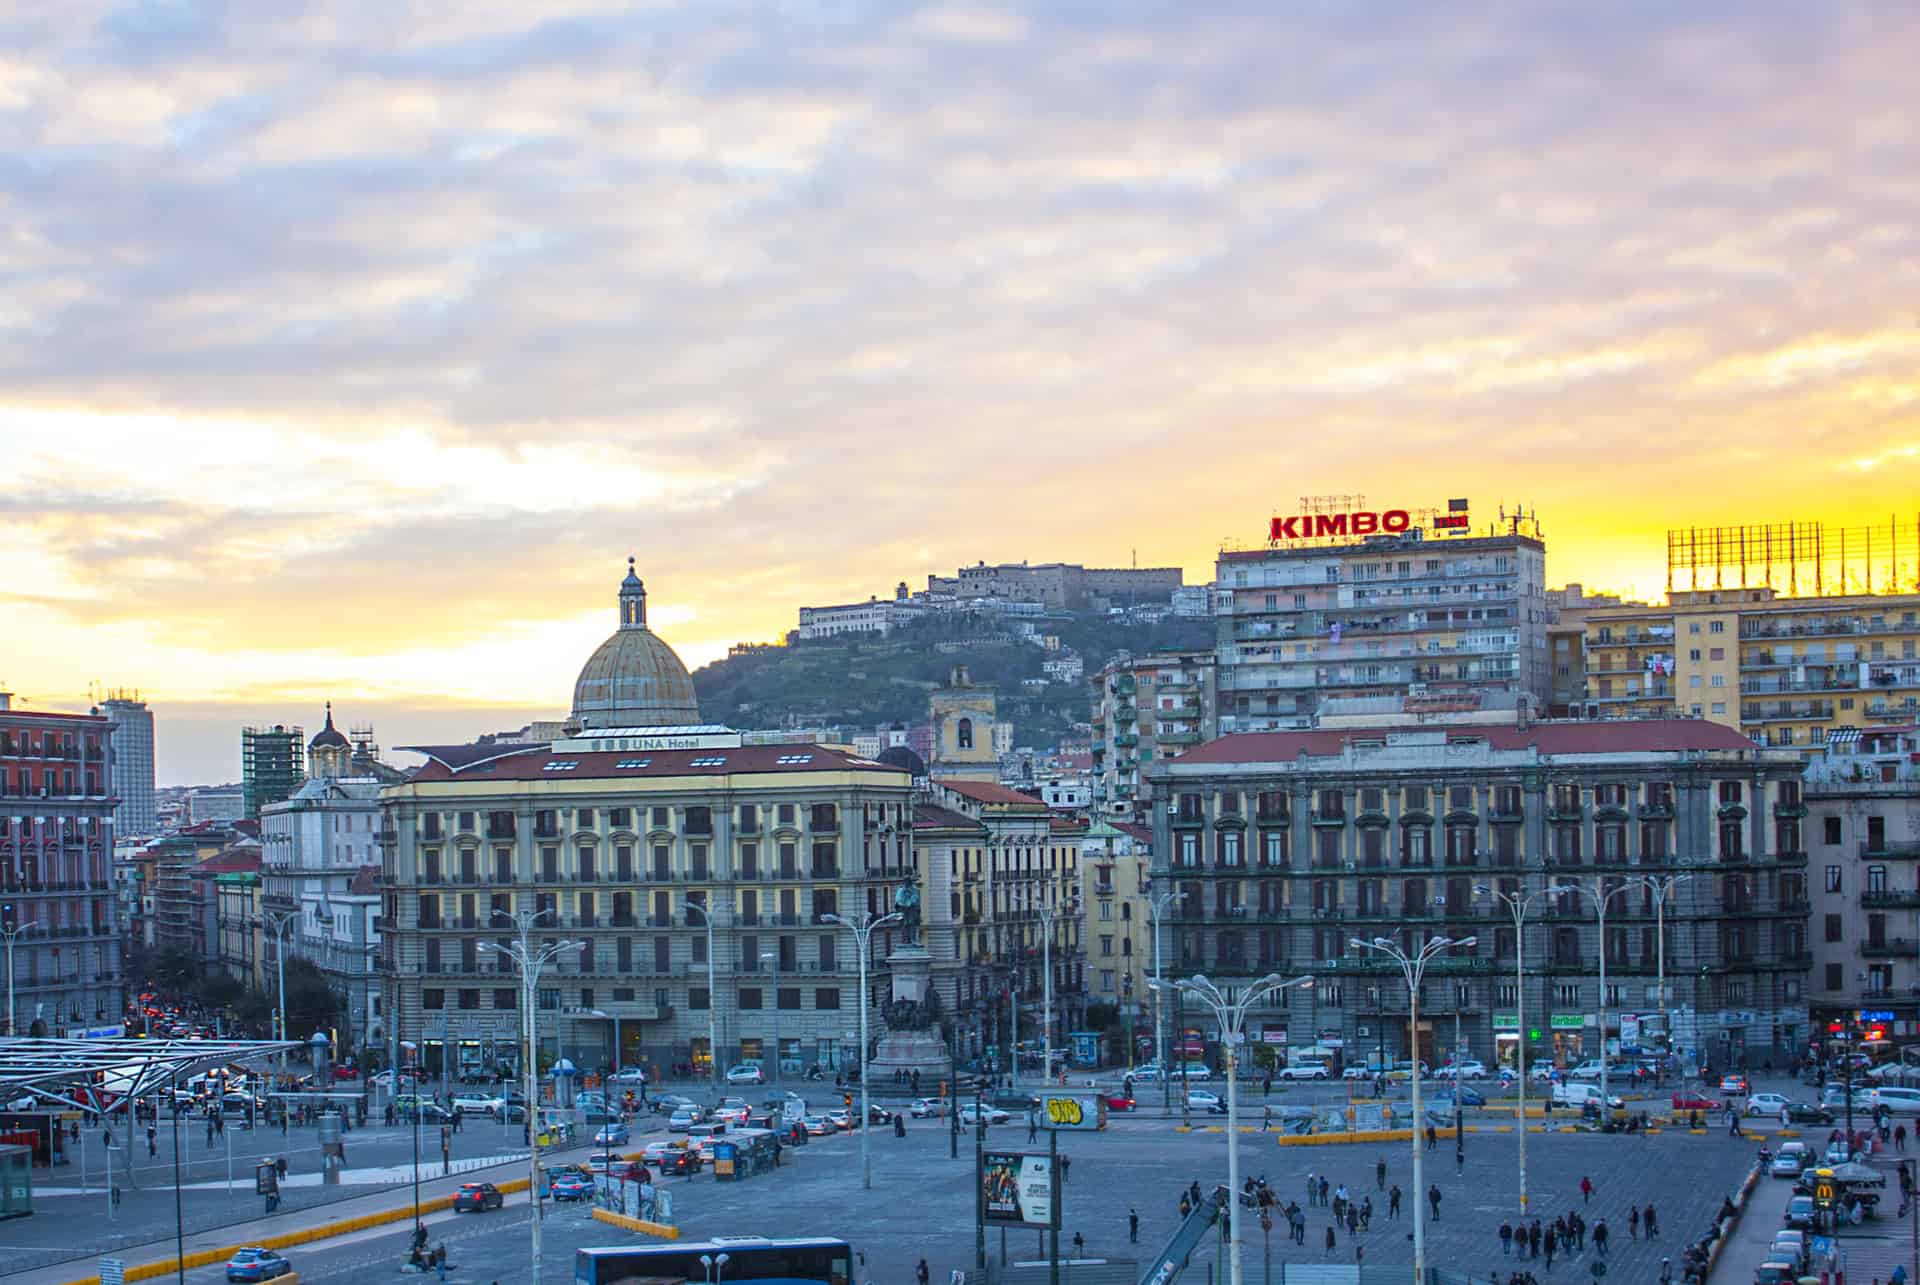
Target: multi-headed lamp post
(1229,1008)
(531,960)
(862,926)
(1048,914)
(1595,887)
(1662,887)
(12,932)
(1519,905)
(713,996)
(1157,906)
(1414,968)
(278,922)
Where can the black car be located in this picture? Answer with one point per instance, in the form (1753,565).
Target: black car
(1018,1103)
(429,1112)
(1807,1113)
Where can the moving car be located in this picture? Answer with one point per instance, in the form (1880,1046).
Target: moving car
(1020,1102)
(1805,1113)
(878,1115)
(256,1264)
(1351,1073)
(971,1114)
(1838,1152)
(671,1158)
(682,1119)
(1312,1068)
(477,1196)
(629,1075)
(1587,1070)
(818,1126)
(840,1118)
(1467,1069)
(428,1113)
(731,1111)
(746,1073)
(475,1102)
(1764,1104)
(1775,1272)
(1897,1100)
(571,1186)
(923,1108)
(1734,1085)
(1464,1092)
(1799,1213)
(612,1135)
(1789,1247)
(668,1103)
(1119,1102)
(1202,1100)
(1688,1100)
(1788,1164)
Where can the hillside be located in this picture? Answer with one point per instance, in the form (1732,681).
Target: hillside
(872,682)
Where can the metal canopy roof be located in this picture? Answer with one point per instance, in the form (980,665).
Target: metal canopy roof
(72,1071)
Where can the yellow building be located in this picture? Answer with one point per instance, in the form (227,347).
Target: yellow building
(1116,881)
(963,721)
(1785,671)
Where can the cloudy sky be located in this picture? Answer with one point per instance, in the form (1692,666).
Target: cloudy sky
(350,348)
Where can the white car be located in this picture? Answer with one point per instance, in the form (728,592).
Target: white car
(1765,1104)
(922,1108)
(746,1073)
(1467,1069)
(1312,1069)
(1358,1073)
(629,1075)
(971,1114)
(1201,1100)
(476,1103)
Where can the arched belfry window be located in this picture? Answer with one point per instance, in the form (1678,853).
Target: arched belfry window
(965,733)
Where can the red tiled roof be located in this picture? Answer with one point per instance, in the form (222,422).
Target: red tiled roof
(987,792)
(1139,832)
(927,816)
(1606,736)
(231,861)
(530,763)
(366,881)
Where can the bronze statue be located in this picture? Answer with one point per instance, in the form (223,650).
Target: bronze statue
(906,902)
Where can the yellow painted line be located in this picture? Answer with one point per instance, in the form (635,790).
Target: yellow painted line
(1329,1139)
(1698,1133)
(641,1225)
(1786,1133)
(1183,1128)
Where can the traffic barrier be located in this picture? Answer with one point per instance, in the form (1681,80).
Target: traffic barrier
(1329,1139)
(288,1240)
(641,1225)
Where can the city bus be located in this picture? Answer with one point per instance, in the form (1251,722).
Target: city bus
(807,1260)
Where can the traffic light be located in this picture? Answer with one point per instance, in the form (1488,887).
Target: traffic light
(6,915)
(847,1100)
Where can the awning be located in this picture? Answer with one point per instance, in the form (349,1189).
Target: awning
(1842,736)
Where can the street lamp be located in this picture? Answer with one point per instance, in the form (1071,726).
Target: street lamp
(1230,1011)
(862,926)
(1414,968)
(412,1051)
(531,960)
(1157,905)
(1518,904)
(713,996)
(278,922)
(1594,886)
(1662,887)
(1047,915)
(12,932)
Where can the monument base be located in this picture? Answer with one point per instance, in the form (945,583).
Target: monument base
(907,1051)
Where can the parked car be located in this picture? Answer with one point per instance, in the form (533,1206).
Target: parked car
(476,1102)
(1306,1069)
(478,1197)
(1800,1213)
(629,1075)
(256,1264)
(1791,1247)
(746,1073)
(1689,1100)
(612,1135)
(971,1114)
(1467,1069)
(571,1186)
(1897,1100)
(1544,1073)
(926,1108)
(1202,1100)
(1357,1073)
(1587,1070)
(1838,1152)
(1764,1104)
(1805,1113)
(818,1126)
(1788,1164)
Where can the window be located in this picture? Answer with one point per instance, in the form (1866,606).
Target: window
(1833,928)
(469,998)
(548,998)
(1830,834)
(1716,626)
(826,997)
(433,999)
(1836,975)
(506,997)
(749,998)
(964,733)
(1833,879)
(699,998)
(787,997)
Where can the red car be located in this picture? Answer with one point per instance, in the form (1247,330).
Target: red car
(1686,1100)
(1119,1102)
(346,1071)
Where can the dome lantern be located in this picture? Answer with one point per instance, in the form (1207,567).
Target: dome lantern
(633,679)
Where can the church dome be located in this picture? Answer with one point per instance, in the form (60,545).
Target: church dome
(633,679)
(328,737)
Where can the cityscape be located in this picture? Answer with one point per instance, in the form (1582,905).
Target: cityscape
(1307,701)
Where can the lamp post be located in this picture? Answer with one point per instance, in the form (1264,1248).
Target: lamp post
(278,922)
(605,1016)
(1414,968)
(12,932)
(1518,904)
(412,1051)
(1047,915)
(1662,887)
(713,996)
(1595,888)
(531,960)
(1157,905)
(1230,1011)
(861,925)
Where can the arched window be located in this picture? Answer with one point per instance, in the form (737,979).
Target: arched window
(966,733)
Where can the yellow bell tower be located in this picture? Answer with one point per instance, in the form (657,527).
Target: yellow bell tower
(963,718)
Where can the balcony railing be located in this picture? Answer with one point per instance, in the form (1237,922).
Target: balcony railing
(1883,850)
(1890,900)
(1892,948)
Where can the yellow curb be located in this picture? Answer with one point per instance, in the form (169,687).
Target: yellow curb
(641,1225)
(325,1231)
(1183,1128)
(1329,1139)
(1786,1133)
(1698,1133)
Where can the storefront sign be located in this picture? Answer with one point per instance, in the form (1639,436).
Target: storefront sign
(1273,1035)
(1506,1021)
(1569,1022)
(1629,1028)
(1018,1189)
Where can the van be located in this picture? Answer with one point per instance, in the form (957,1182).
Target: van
(1579,1096)
(709,1129)
(1897,1100)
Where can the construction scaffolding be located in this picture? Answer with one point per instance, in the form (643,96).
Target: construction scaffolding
(1796,559)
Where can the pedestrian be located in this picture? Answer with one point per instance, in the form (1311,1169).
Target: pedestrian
(1533,1239)
(1651,1221)
(1600,1237)
(920,1272)
(1353,1219)
(1380,1173)
(1329,1253)
(1186,1206)
(1551,1247)
(1666,1271)
(1366,1214)
(1586,1190)
(1133,1226)
(1066,1163)
(1433,1139)
(1359,1253)
(1194,1191)
(1033,1128)
(1506,1238)
(152,1150)
(1899,1137)
(1313,1188)
(900,1125)
(1393,1201)
(1633,1222)
(1433,1200)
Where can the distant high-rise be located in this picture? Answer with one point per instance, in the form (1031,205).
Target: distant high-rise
(272,764)
(132,775)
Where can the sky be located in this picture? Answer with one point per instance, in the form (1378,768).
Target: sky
(349,349)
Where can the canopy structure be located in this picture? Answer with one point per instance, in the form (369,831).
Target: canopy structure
(102,1075)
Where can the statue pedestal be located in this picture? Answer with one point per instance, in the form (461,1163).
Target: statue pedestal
(911,1050)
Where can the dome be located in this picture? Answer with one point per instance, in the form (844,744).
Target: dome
(901,757)
(633,679)
(328,737)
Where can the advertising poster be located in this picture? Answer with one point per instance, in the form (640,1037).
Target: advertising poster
(1018,1189)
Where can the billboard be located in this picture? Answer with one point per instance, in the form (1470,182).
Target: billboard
(1074,1111)
(1017,1189)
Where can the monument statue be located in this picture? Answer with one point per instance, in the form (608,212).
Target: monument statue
(906,900)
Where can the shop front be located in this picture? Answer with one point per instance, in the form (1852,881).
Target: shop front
(1569,1038)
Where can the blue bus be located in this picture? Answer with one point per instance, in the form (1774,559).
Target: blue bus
(806,1260)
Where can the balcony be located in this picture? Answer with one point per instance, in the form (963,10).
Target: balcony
(1786,711)
(1893,948)
(1127,740)
(1890,900)
(1183,736)
(1331,820)
(1883,850)
(1790,859)
(1187,820)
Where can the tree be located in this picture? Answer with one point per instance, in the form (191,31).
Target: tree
(312,1003)
(221,991)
